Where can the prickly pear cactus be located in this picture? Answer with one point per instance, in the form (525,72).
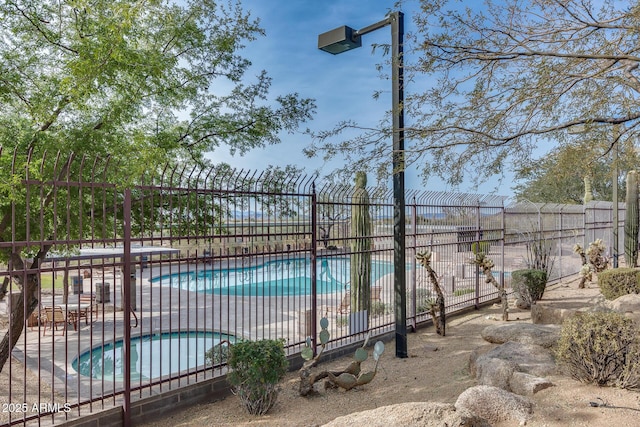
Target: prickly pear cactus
(307,351)
(347,378)
(631,221)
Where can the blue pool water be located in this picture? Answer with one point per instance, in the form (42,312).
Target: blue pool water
(273,278)
(152,356)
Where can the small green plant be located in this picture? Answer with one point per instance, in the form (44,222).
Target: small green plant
(601,348)
(528,286)
(256,369)
(342,321)
(464,291)
(423,296)
(378,308)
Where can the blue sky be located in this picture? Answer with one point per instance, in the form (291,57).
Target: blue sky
(342,85)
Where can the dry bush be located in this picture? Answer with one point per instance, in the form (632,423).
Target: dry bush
(617,282)
(601,348)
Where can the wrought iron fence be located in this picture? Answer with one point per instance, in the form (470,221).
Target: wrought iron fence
(136,290)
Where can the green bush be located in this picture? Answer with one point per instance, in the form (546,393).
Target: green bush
(342,320)
(424,300)
(256,369)
(617,282)
(464,291)
(378,308)
(528,285)
(600,348)
(482,246)
(218,354)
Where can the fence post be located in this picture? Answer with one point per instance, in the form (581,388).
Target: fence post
(478,237)
(414,219)
(503,227)
(314,278)
(126,306)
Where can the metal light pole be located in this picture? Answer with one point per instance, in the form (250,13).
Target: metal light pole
(616,136)
(341,40)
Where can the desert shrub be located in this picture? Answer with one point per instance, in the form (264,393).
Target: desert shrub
(600,348)
(378,308)
(464,291)
(617,282)
(256,369)
(342,320)
(528,285)
(482,246)
(424,300)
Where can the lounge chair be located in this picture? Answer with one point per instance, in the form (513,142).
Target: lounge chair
(54,316)
(345,304)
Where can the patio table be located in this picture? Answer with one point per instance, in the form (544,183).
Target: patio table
(74,311)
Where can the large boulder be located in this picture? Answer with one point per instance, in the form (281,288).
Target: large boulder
(494,404)
(514,367)
(412,414)
(494,372)
(551,315)
(529,358)
(526,384)
(629,305)
(526,333)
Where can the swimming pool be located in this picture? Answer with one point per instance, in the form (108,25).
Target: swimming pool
(152,356)
(272,278)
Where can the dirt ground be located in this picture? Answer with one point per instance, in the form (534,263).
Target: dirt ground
(436,370)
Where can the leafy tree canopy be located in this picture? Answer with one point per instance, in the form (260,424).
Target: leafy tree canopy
(111,78)
(138,85)
(497,81)
(558,177)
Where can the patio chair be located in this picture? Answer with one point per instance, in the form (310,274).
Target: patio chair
(33,320)
(345,304)
(376,291)
(88,298)
(54,316)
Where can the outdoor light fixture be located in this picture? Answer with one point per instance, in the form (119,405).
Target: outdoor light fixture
(341,40)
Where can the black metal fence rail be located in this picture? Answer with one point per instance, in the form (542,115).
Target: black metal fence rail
(135,283)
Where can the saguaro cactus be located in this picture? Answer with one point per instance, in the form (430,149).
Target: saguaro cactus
(631,221)
(588,194)
(360,246)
